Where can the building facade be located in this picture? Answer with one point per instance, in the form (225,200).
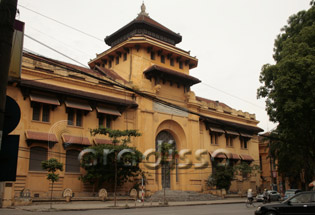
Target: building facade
(270,177)
(141,82)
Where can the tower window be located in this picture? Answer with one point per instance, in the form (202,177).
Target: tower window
(172,62)
(125,56)
(152,55)
(117,60)
(180,64)
(162,59)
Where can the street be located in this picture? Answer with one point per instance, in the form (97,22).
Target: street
(235,209)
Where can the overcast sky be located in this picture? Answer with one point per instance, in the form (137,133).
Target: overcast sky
(232,39)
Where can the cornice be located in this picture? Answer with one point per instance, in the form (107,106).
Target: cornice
(69,80)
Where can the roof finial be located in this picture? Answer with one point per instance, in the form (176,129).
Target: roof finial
(143,10)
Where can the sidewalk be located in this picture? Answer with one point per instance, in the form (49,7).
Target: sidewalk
(98,205)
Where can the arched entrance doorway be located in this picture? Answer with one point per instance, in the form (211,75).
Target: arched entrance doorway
(165,137)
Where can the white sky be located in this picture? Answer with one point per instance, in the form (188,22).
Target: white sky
(232,39)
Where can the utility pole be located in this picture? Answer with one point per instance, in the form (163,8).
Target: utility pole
(7,17)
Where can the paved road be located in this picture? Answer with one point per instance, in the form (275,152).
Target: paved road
(222,209)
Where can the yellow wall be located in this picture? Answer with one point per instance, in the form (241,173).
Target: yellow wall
(187,129)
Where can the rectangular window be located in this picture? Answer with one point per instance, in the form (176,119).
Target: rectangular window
(162,59)
(37,155)
(75,117)
(117,60)
(245,144)
(152,55)
(79,118)
(110,64)
(70,117)
(214,138)
(45,115)
(125,56)
(101,120)
(108,121)
(243,141)
(72,162)
(172,62)
(180,64)
(40,112)
(36,111)
(229,141)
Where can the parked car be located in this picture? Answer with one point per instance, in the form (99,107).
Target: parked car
(291,192)
(273,195)
(301,203)
(260,198)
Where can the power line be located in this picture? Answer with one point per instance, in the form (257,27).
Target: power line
(229,94)
(61,23)
(43,44)
(59,41)
(144,59)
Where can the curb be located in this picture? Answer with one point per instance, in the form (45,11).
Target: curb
(128,207)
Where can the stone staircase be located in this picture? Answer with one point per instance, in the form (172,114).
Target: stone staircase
(180,196)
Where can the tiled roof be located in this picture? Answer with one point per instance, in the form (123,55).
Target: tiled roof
(52,100)
(76,93)
(60,63)
(41,136)
(142,24)
(78,140)
(99,72)
(246,157)
(110,73)
(102,141)
(232,156)
(147,19)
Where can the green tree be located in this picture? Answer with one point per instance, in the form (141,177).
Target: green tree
(223,174)
(221,177)
(112,168)
(100,168)
(288,87)
(52,166)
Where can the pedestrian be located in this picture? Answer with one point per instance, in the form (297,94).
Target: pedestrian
(250,195)
(265,195)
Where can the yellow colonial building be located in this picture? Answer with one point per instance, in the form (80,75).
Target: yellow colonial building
(141,82)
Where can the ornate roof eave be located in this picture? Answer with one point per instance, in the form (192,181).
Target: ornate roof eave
(148,41)
(168,74)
